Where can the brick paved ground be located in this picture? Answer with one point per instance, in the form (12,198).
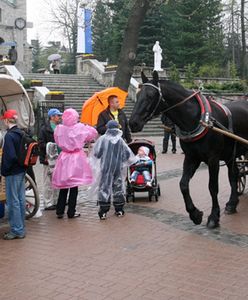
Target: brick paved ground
(154,252)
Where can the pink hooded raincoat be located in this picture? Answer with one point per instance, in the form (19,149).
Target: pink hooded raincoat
(72,167)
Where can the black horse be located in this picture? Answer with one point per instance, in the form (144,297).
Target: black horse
(200,144)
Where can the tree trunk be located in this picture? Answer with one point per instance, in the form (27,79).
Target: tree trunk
(130,42)
(233,43)
(243,54)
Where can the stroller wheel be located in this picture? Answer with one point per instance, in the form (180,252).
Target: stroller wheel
(158,190)
(156,198)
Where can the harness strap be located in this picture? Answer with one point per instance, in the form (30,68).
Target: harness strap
(161,98)
(182,102)
(228,114)
(200,130)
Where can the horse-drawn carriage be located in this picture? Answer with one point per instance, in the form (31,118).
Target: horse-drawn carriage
(14,96)
(189,110)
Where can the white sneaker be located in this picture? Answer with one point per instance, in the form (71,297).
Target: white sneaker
(149,184)
(120,213)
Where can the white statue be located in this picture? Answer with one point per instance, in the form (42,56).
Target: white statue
(157,56)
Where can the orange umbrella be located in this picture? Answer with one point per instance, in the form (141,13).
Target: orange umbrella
(98,102)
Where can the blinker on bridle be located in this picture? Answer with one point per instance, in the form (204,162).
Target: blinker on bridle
(161,99)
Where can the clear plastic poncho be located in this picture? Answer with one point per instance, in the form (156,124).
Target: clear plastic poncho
(109,160)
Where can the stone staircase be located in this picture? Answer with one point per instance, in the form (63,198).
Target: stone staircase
(78,88)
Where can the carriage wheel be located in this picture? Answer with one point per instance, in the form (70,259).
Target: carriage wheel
(241,182)
(32,197)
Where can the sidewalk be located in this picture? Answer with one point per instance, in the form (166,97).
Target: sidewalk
(154,252)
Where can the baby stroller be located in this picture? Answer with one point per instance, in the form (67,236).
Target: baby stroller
(140,185)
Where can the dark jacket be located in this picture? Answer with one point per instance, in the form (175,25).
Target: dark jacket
(46,136)
(12,55)
(11,148)
(167,122)
(106,116)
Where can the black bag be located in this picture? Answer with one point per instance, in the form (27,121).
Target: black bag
(29,151)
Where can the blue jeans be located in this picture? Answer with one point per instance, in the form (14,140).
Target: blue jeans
(16,202)
(146,174)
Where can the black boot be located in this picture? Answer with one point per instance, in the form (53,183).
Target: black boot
(165,147)
(174,149)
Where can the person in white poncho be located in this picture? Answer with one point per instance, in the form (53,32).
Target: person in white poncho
(110,158)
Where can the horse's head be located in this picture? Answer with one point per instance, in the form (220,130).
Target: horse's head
(146,105)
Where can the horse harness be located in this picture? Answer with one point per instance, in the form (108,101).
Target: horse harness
(206,115)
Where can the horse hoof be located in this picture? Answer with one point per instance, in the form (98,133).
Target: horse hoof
(196,216)
(229,210)
(211,224)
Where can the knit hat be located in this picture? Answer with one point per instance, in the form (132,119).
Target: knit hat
(145,149)
(112,124)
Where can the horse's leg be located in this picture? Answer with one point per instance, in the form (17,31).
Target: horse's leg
(189,168)
(213,185)
(233,177)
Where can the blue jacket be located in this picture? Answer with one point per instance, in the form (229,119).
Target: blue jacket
(10,164)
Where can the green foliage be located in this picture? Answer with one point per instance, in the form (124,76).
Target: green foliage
(36,51)
(108,25)
(190,85)
(210,70)
(233,70)
(237,86)
(188,31)
(174,73)
(150,32)
(26,83)
(190,73)
(101,27)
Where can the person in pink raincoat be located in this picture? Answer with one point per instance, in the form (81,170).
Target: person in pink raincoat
(72,168)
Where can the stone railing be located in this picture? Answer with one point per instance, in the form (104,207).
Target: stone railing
(105,77)
(97,70)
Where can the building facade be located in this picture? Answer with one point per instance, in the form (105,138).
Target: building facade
(13,31)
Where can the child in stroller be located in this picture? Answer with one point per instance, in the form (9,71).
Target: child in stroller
(142,166)
(136,181)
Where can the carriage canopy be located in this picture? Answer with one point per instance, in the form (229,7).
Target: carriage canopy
(14,96)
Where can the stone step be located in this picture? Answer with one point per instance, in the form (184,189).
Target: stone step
(78,89)
(55,76)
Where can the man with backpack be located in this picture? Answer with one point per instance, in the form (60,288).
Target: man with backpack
(50,195)
(14,174)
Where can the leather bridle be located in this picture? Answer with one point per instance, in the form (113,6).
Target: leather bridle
(161,99)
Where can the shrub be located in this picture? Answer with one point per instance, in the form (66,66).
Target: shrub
(238,86)
(174,73)
(210,71)
(26,83)
(190,73)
